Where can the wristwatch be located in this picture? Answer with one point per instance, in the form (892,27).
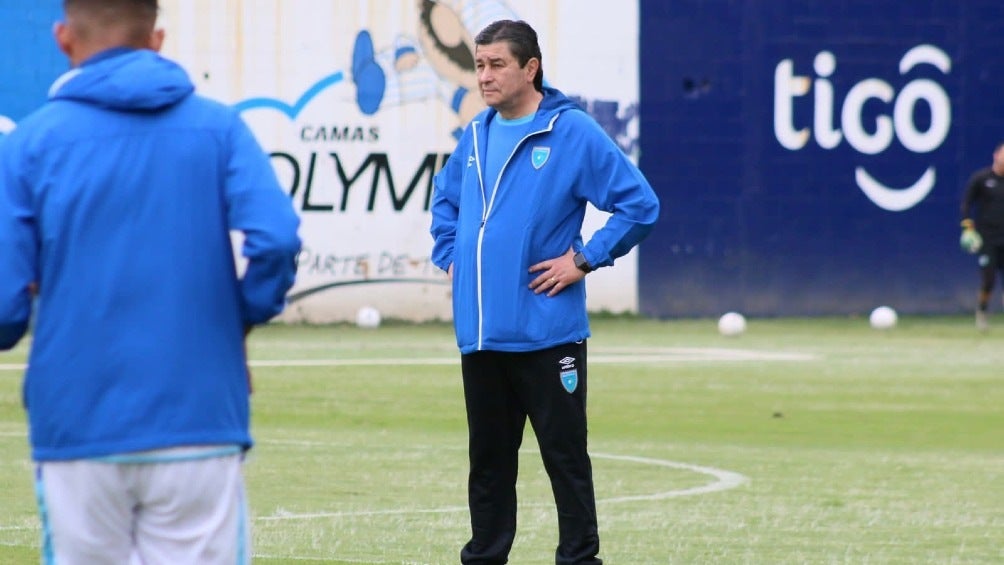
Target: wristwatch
(581,263)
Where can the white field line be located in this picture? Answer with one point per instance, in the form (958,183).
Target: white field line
(340,560)
(724,480)
(654,355)
(643,355)
(283,515)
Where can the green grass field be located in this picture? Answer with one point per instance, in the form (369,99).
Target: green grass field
(802,441)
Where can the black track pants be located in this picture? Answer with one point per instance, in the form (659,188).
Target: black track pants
(501,391)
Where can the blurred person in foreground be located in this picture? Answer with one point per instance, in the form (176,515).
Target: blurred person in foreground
(116,202)
(506,219)
(983,228)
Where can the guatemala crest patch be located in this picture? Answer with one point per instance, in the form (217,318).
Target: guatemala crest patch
(539,156)
(570,380)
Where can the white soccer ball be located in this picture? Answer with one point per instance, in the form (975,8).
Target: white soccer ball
(731,323)
(368,317)
(883,318)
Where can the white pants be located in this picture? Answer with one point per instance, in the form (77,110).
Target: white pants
(170,507)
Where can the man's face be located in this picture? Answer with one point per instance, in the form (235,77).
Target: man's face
(502,81)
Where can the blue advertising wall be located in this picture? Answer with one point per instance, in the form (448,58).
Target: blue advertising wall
(810,156)
(29,59)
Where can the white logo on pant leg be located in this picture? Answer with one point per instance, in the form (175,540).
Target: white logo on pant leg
(568,374)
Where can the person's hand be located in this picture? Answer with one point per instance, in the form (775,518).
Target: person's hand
(970,240)
(33,289)
(555,275)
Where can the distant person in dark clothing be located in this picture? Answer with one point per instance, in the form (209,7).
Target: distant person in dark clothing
(983,227)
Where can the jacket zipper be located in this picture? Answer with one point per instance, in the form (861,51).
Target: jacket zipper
(488,204)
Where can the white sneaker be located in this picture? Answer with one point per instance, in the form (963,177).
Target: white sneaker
(981,321)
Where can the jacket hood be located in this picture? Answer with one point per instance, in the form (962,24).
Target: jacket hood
(133,80)
(555,101)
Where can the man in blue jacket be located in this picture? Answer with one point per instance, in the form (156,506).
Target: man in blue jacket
(506,218)
(116,202)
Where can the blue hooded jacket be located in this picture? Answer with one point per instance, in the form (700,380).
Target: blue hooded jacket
(117,199)
(492,230)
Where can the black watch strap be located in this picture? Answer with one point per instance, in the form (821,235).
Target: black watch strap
(581,263)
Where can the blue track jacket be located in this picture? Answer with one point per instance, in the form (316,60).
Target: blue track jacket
(117,198)
(494,229)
